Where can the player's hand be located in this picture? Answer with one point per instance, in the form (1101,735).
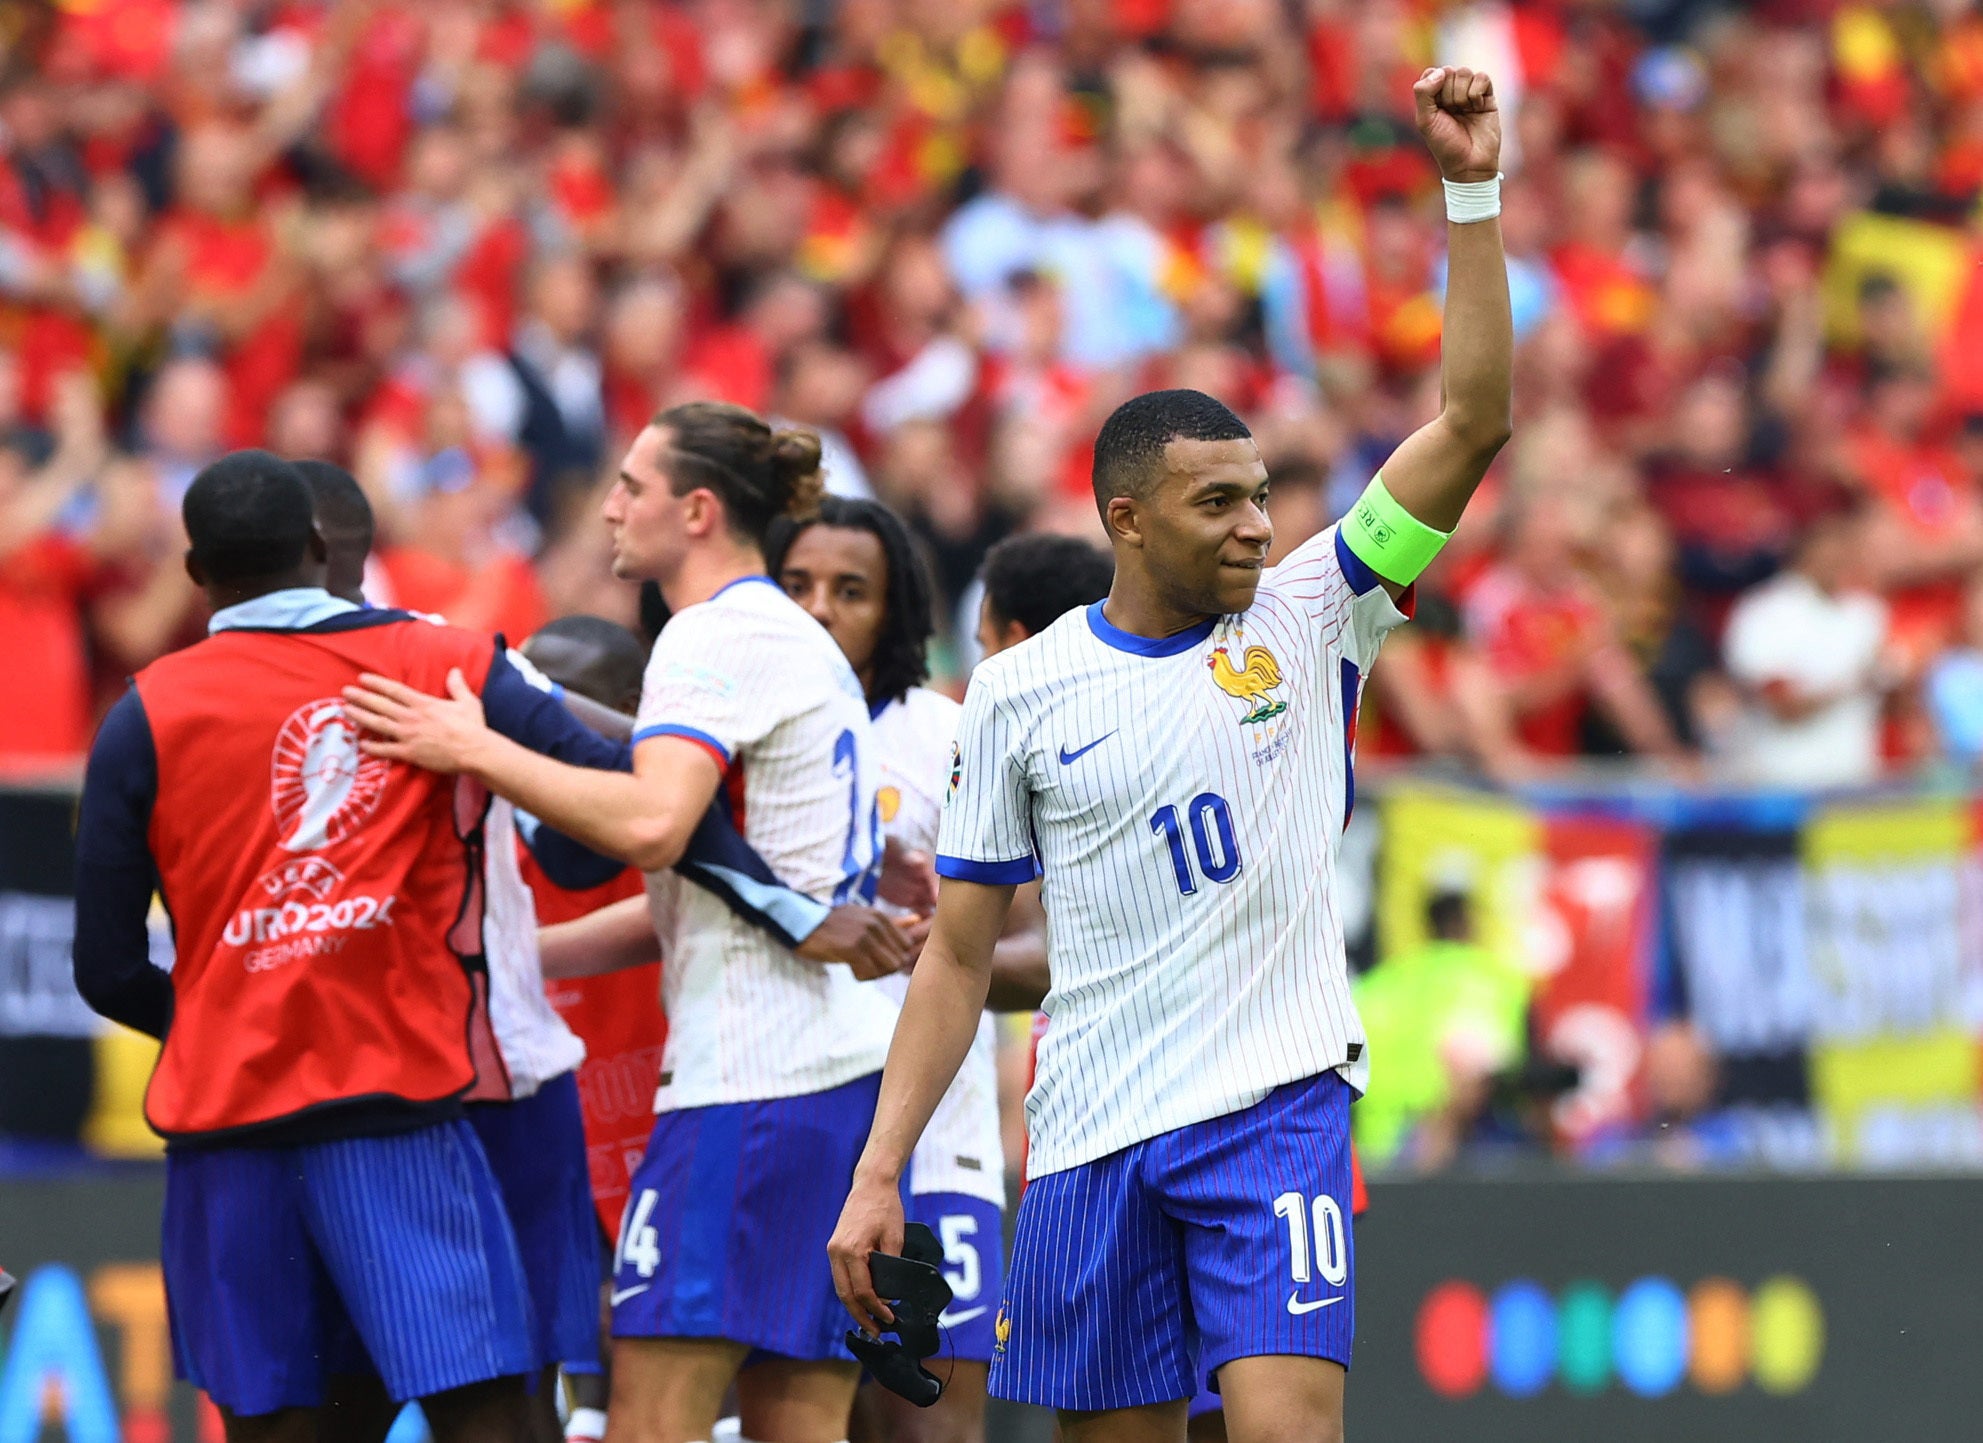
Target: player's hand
(440,733)
(908,878)
(1460,121)
(866,940)
(871,1222)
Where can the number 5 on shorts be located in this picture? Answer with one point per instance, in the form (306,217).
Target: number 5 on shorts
(1331,1257)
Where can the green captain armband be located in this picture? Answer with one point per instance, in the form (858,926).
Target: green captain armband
(1389,539)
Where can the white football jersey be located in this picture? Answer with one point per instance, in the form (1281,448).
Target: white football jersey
(755,680)
(1184,797)
(961,1150)
(536,1044)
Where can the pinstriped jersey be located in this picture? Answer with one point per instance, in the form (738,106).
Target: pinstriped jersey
(1184,797)
(961,1150)
(749,676)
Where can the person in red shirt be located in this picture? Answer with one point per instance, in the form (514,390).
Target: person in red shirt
(1551,645)
(46,577)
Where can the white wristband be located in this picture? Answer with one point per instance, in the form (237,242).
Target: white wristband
(1470,200)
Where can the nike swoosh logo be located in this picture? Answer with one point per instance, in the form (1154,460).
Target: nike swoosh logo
(1067,756)
(951,1320)
(1296,1307)
(620,1295)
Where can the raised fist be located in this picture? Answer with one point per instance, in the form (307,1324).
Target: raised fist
(1460,121)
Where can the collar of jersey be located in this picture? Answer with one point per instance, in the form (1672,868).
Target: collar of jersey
(741,580)
(1128,641)
(293,609)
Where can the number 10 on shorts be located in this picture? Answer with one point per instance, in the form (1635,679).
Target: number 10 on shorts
(1331,1255)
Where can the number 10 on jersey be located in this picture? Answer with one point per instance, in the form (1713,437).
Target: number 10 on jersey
(1212,839)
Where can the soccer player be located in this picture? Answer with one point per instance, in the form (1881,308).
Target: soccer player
(616,1014)
(321,1023)
(854,568)
(1034,579)
(772,1065)
(534,1135)
(1177,760)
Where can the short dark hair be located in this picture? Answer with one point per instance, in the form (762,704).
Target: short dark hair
(340,502)
(616,659)
(901,653)
(759,473)
(248,517)
(1129,452)
(1036,579)
(1449,915)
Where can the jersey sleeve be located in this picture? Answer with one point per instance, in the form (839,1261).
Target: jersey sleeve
(706,685)
(115,876)
(987,830)
(1341,594)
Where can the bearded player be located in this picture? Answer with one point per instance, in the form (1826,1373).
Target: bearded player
(1176,760)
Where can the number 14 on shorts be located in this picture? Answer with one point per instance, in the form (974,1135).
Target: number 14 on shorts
(1325,1251)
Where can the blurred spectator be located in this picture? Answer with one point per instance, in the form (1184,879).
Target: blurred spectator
(1955,687)
(1446,1017)
(1553,650)
(952,239)
(46,579)
(1807,650)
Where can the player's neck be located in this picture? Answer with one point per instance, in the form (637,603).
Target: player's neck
(220,597)
(1128,608)
(706,571)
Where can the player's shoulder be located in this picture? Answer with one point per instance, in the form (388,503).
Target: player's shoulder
(1064,648)
(927,712)
(1322,560)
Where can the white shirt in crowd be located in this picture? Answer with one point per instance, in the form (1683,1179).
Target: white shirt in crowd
(1789,630)
(1185,798)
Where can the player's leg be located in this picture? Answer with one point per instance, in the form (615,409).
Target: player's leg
(670,1390)
(496,1411)
(790,1401)
(536,1148)
(1283,1400)
(288,1425)
(972,1231)
(722,1251)
(1207,1418)
(413,1232)
(1264,1197)
(250,1306)
(1096,1321)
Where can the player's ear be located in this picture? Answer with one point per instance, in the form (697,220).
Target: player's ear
(195,570)
(318,549)
(702,513)
(1124,520)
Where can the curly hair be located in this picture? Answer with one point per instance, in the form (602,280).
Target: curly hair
(901,652)
(759,474)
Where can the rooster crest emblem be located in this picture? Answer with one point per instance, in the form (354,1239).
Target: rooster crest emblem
(1251,681)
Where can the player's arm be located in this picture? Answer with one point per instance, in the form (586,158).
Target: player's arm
(620,934)
(115,875)
(938,1023)
(523,746)
(1417,498)
(1020,980)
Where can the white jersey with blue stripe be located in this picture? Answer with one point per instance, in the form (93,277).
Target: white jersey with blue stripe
(754,680)
(961,1151)
(1184,798)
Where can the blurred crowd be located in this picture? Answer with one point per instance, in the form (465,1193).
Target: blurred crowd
(466,247)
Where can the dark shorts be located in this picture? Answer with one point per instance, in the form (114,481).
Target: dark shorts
(728,1217)
(285,1265)
(536,1148)
(1135,1276)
